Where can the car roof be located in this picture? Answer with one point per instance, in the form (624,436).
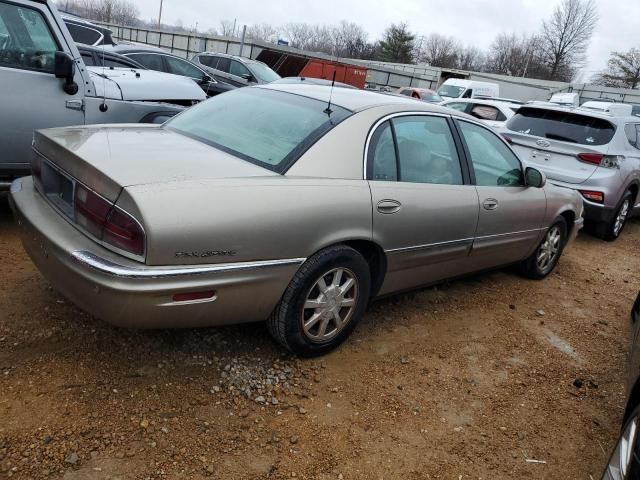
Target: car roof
(358,100)
(135,48)
(311,81)
(228,55)
(483,101)
(580,111)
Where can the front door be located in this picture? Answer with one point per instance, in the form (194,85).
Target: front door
(511,219)
(32,96)
(424,211)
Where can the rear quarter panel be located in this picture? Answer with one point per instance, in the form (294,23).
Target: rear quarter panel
(256,219)
(561,200)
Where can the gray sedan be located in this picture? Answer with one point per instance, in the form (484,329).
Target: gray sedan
(290,203)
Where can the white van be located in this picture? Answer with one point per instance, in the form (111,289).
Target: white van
(458,88)
(567,99)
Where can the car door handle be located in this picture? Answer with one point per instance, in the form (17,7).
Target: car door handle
(490,204)
(388,207)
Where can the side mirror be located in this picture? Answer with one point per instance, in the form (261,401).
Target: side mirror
(534,178)
(65,67)
(248,77)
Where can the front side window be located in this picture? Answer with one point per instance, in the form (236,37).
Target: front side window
(426,152)
(263,73)
(149,60)
(239,70)
(25,39)
(178,66)
(494,164)
(265,127)
(561,125)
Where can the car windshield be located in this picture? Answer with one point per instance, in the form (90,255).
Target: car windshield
(265,127)
(263,73)
(450,91)
(564,126)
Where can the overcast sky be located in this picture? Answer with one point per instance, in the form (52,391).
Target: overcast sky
(474,22)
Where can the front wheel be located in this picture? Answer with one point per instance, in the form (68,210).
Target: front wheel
(323,303)
(545,258)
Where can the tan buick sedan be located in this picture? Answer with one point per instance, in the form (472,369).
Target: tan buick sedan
(283,204)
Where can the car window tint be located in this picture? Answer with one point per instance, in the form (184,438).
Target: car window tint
(427,151)
(265,127)
(564,126)
(88,59)
(632,134)
(111,62)
(484,112)
(26,41)
(82,34)
(382,154)
(406,92)
(178,66)
(148,60)
(460,106)
(222,64)
(237,69)
(494,164)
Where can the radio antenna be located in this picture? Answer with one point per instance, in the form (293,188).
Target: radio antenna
(328,110)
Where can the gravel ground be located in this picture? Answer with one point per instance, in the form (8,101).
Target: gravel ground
(472,379)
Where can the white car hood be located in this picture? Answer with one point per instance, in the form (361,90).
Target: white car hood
(149,85)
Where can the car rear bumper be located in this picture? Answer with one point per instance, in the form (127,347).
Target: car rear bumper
(593,212)
(130,294)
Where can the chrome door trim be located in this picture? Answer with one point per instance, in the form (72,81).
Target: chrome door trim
(512,233)
(448,243)
(380,121)
(95,262)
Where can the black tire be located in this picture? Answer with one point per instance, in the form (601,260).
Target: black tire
(531,267)
(610,231)
(287,321)
(621,459)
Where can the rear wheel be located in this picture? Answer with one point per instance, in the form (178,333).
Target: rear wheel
(323,303)
(545,258)
(611,230)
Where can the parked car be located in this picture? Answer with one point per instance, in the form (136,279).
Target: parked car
(160,60)
(312,81)
(423,94)
(97,57)
(86,32)
(460,88)
(624,463)
(493,113)
(235,70)
(272,211)
(594,151)
(45,83)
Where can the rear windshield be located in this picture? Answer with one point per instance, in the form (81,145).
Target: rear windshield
(563,126)
(268,128)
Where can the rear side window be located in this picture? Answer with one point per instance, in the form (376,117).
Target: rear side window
(25,39)
(487,112)
(563,126)
(632,130)
(86,35)
(178,66)
(426,152)
(406,92)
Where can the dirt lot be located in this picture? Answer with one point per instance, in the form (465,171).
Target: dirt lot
(467,380)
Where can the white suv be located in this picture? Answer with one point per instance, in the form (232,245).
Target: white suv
(594,149)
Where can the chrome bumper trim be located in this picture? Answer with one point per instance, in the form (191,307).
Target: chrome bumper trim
(105,266)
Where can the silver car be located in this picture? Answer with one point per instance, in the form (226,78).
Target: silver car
(593,149)
(235,70)
(275,202)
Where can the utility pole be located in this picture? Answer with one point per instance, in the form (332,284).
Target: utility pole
(234,27)
(244,32)
(160,15)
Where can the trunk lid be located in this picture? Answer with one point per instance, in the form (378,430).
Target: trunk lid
(107,158)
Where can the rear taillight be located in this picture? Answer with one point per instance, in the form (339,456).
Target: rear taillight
(593,196)
(593,158)
(122,231)
(106,222)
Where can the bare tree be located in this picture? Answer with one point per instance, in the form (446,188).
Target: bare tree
(566,36)
(122,12)
(263,32)
(623,71)
(349,39)
(470,58)
(439,51)
(227,28)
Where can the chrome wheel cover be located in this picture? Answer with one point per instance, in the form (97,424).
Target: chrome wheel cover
(330,304)
(549,249)
(621,217)
(620,461)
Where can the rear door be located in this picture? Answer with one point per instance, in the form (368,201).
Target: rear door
(424,209)
(152,61)
(33,97)
(511,215)
(551,140)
